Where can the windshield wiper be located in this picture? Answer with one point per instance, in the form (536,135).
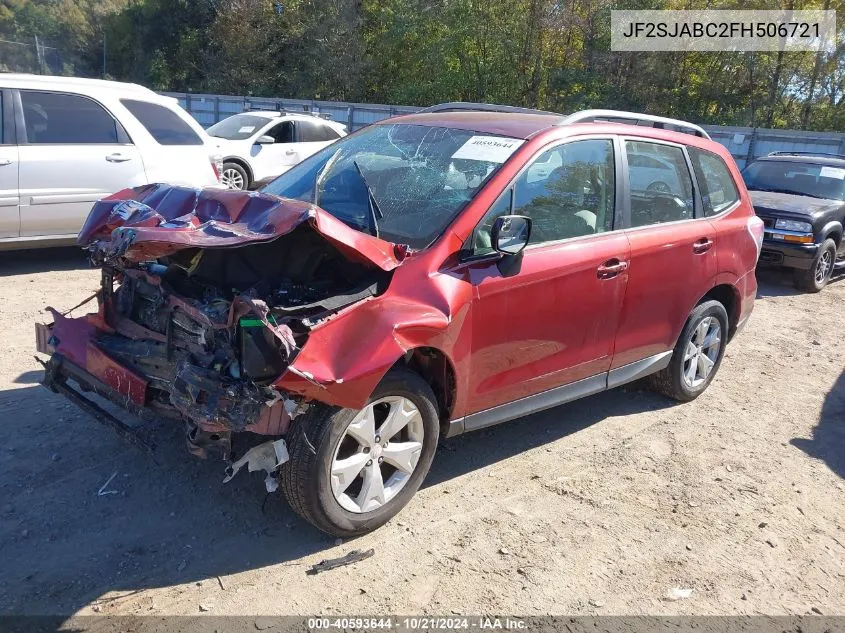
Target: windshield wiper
(318,183)
(372,203)
(789,192)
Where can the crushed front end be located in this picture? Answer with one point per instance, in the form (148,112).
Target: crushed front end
(206,299)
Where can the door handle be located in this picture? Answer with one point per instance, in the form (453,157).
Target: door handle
(290,152)
(117,158)
(611,268)
(702,246)
(5,161)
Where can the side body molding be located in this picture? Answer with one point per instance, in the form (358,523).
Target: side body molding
(560,395)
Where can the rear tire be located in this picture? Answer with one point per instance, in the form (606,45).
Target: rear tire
(697,355)
(818,274)
(329,478)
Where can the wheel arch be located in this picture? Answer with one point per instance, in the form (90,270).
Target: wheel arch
(241,163)
(833,230)
(437,369)
(728,295)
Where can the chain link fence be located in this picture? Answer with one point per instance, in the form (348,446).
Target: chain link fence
(30,57)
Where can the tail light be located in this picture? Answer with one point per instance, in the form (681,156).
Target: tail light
(756,230)
(217,166)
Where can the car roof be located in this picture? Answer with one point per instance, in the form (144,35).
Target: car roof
(76,84)
(526,126)
(514,125)
(816,159)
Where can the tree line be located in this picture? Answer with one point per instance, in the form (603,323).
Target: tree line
(548,54)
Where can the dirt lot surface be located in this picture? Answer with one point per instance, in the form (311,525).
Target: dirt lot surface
(602,506)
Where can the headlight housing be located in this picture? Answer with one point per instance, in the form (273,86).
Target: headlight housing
(794,225)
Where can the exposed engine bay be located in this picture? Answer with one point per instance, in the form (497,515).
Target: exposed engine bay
(212,328)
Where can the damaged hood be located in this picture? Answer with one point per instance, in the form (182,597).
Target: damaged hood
(153,221)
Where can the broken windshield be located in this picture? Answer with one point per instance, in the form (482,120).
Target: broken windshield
(414,178)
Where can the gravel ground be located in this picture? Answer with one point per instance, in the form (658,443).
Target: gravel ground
(603,506)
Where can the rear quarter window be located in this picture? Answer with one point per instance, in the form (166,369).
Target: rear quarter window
(164,125)
(718,190)
(314,132)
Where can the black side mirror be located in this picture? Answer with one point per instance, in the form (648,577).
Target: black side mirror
(510,234)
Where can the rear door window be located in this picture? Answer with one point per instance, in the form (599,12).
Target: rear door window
(164,125)
(718,191)
(53,118)
(282,133)
(660,183)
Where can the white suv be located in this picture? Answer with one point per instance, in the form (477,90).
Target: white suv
(260,145)
(67,142)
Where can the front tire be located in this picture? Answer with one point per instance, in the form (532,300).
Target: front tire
(816,277)
(697,354)
(234,177)
(351,471)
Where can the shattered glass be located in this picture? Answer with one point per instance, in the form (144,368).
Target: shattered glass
(419,178)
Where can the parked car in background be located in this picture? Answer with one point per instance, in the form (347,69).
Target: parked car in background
(260,145)
(414,280)
(67,142)
(653,173)
(800,196)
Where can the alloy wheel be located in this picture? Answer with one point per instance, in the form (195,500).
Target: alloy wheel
(702,352)
(377,454)
(823,267)
(232,178)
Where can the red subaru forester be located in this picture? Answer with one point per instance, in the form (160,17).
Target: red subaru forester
(428,275)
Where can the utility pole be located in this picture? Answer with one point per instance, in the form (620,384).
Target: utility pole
(751,81)
(104,54)
(39,56)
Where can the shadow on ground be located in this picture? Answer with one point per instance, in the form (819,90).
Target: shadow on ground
(42,260)
(70,532)
(828,441)
(778,282)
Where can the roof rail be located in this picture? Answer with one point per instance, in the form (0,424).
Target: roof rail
(618,116)
(819,154)
(284,111)
(260,107)
(463,106)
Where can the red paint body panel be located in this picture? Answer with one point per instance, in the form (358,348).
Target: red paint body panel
(124,381)
(348,354)
(497,123)
(74,341)
(666,278)
(552,323)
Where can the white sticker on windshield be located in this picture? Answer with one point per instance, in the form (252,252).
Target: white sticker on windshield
(833,172)
(246,129)
(493,149)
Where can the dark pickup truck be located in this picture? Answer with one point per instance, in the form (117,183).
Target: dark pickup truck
(801,199)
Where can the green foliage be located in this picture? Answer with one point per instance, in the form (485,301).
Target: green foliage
(550,54)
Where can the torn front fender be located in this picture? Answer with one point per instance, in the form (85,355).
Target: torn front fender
(347,355)
(153,221)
